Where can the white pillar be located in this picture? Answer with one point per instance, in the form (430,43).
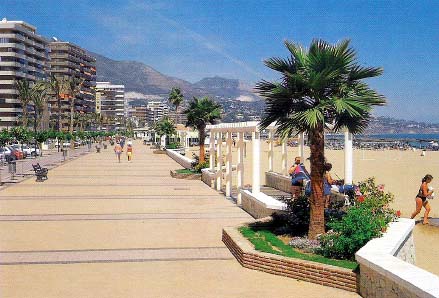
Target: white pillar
(240,166)
(348,156)
(212,151)
(219,171)
(270,151)
(302,146)
(229,165)
(256,144)
(284,158)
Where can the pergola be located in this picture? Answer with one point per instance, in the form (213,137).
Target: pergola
(240,128)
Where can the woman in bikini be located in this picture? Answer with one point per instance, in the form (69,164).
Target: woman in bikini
(421,198)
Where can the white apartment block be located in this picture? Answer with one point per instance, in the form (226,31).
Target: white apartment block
(156,110)
(23,55)
(110,100)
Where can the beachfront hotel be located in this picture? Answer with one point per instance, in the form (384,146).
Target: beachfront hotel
(23,55)
(68,61)
(110,100)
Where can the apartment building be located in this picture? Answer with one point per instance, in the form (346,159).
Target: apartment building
(67,61)
(23,55)
(110,100)
(156,110)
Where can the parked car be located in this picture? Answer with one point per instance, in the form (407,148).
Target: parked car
(30,150)
(15,153)
(19,148)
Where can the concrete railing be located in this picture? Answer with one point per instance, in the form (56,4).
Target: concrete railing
(182,160)
(386,266)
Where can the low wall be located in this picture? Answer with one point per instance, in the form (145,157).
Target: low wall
(182,160)
(260,205)
(278,181)
(318,273)
(386,266)
(208,177)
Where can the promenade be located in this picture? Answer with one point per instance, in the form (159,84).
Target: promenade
(98,228)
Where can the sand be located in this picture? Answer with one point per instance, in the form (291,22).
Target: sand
(400,171)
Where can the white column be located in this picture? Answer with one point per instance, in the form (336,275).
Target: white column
(348,156)
(284,158)
(270,150)
(240,166)
(212,151)
(302,146)
(219,171)
(229,165)
(256,144)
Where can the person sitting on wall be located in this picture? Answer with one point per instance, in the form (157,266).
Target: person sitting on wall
(298,175)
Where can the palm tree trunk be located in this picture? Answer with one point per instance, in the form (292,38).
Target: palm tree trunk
(202,138)
(317,202)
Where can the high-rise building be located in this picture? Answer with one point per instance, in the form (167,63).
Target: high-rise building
(68,61)
(111,99)
(23,55)
(156,110)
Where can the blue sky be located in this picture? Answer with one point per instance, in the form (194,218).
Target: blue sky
(196,39)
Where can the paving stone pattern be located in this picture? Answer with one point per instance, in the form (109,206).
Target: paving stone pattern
(99,228)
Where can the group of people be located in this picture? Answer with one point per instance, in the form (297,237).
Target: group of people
(118,149)
(300,176)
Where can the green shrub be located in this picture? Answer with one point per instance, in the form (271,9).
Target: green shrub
(173,146)
(362,222)
(295,221)
(201,165)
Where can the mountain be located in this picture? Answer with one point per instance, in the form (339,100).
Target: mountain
(143,81)
(227,88)
(137,77)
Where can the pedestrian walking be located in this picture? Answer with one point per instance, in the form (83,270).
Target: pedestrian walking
(118,151)
(422,198)
(129,151)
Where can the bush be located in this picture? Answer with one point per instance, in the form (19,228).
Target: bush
(201,165)
(173,146)
(362,222)
(296,219)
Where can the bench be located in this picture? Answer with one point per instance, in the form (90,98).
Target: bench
(40,172)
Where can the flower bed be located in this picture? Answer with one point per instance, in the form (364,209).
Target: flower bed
(306,270)
(185,174)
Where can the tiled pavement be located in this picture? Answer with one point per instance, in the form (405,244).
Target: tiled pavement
(98,228)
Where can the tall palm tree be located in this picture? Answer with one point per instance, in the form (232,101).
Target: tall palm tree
(56,86)
(165,127)
(200,113)
(176,98)
(24,89)
(73,87)
(39,99)
(322,84)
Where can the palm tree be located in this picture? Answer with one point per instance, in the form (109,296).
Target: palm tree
(200,113)
(24,95)
(176,98)
(73,86)
(39,99)
(56,86)
(322,84)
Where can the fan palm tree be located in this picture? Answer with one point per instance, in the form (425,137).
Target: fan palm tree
(176,98)
(165,127)
(200,113)
(24,89)
(322,84)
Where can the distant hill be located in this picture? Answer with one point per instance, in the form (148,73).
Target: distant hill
(143,81)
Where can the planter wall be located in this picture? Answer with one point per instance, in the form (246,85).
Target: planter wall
(322,274)
(187,176)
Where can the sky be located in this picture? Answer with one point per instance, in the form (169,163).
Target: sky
(193,39)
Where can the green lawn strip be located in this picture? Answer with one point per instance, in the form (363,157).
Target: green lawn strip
(265,241)
(185,171)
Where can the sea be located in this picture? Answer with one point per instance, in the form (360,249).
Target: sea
(411,139)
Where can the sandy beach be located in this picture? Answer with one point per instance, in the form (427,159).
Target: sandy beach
(400,171)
